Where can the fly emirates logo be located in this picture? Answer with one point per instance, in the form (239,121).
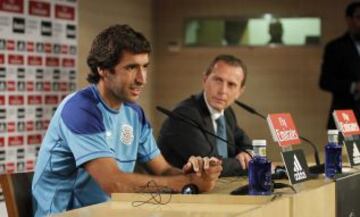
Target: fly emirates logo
(348,124)
(350,127)
(283,129)
(285,135)
(346,121)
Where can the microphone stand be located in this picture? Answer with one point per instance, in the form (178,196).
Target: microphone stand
(318,168)
(196,125)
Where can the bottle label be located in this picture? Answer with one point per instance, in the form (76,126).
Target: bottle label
(261,151)
(259,147)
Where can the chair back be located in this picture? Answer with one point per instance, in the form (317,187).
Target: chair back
(17,193)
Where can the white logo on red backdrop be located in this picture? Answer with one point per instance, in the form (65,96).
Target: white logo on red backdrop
(346,122)
(283,129)
(38,62)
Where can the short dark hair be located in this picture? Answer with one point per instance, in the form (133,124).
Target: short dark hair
(350,9)
(230,60)
(109,46)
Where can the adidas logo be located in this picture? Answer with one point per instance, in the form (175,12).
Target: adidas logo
(356,154)
(299,173)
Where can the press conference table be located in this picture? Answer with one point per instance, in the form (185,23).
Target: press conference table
(315,199)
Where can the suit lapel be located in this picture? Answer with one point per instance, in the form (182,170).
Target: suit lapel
(206,119)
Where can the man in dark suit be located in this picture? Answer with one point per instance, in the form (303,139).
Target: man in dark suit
(340,73)
(223,83)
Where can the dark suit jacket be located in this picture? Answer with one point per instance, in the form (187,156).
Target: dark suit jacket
(340,67)
(178,140)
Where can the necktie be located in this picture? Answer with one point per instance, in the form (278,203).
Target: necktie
(221,132)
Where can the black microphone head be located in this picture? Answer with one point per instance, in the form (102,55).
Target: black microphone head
(161,109)
(246,107)
(166,112)
(176,116)
(170,113)
(190,189)
(249,109)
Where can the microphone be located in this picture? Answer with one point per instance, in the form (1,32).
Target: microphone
(196,125)
(319,168)
(190,122)
(276,175)
(249,109)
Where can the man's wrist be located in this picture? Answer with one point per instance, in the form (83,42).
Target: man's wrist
(250,152)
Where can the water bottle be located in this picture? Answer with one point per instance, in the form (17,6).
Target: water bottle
(259,170)
(333,159)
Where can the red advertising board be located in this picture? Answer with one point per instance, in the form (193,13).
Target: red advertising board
(346,122)
(283,129)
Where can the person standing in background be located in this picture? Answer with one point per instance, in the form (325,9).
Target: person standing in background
(340,71)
